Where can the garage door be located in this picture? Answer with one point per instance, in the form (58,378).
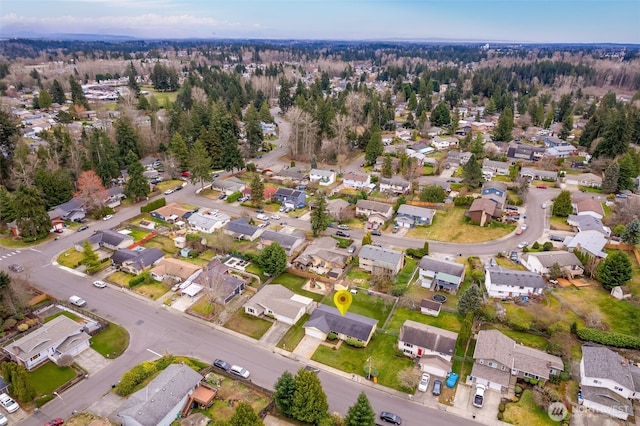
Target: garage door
(313,332)
(434,371)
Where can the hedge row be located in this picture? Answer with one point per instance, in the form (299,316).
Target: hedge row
(234,197)
(609,338)
(154,205)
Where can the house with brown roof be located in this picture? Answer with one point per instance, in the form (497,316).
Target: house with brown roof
(170,213)
(482,211)
(216,279)
(368,208)
(173,269)
(499,361)
(323,257)
(433,346)
(588,206)
(356,180)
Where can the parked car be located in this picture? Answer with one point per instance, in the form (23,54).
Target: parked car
(77,300)
(524,226)
(263,225)
(107,217)
(437,387)
(478,398)
(16,268)
(621,196)
(186,173)
(376,232)
(313,369)
(262,216)
(178,188)
(343,227)
(275,217)
(351,249)
(342,234)
(523,245)
(55,422)
(223,365)
(557,238)
(395,229)
(544,205)
(390,417)
(169,191)
(239,371)
(82,228)
(8,403)
(3,420)
(99,284)
(541,187)
(424,382)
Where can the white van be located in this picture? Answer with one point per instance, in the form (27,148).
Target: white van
(77,300)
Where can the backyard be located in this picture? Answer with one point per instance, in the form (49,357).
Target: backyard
(231,390)
(248,325)
(446,320)
(295,283)
(451,226)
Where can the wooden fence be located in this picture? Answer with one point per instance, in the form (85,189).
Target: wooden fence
(624,247)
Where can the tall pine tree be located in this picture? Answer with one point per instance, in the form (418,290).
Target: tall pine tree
(361,413)
(137,185)
(32,218)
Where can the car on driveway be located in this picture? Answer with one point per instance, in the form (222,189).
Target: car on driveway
(437,387)
(395,229)
(478,397)
(223,365)
(16,268)
(390,417)
(376,232)
(262,216)
(342,234)
(55,422)
(8,403)
(424,382)
(556,238)
(240,371)
(99,284)
(343,227)
(275,217)
(3,420)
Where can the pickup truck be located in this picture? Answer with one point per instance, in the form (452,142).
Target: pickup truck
(478,398)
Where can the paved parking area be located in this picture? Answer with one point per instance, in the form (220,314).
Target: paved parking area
(91,361)
(464,401)
(275,333)
(307,347)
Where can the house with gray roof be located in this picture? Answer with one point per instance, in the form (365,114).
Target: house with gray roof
(241,229)
(228,186)
(441,274)
(323,257)
(378,260)
(339,209)
(409,216)
(367,208)
(499,360)
(160,402)
(433,346)
(72,210)
(394,185)
(496,192)
(586,222)
(218,281)
(458,158)
(136,261)
(502,282)
(495,167)
(289,242)
(326,319)
(542,262)
(291,174)
(280,303)
(106,239)
(207,222)
(290,197)
(323,177)
(588,242)
(59,337)
(608,381)
(536,174)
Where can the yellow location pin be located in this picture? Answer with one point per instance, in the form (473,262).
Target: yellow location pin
(342,300)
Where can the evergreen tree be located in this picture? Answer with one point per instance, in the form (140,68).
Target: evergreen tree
(32,218)
(615,135)
(375,148)
(470,301)
(265,113)
(273,259)
(631,233)
(284,95)
(200,163)
(55,186)
(44,99)
(18,377)
(611,176)
(567,126)
(361,413)
(178,148)
(472,173)
(504,127)
(615,270)
(440,116)
(89,256)
(629,169)
(137,185)
(433,194)
(319,216)
(57,93)
(387,171)
(245,416)
(477,146)
(555,271)
(285,388)
(7,207)
(127,139)
(309,400)
(77,95)
(252,129)
(562,204)
(257,191)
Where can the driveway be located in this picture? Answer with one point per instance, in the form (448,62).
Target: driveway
(485,415)
(91,361)
(307,347)
(275,333)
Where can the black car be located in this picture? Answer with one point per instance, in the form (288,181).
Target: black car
(82,228)
(223,365)
(178,188)
(376,232)
(437,387)
(556,238)
(342,234)
(222,196)
(390,417)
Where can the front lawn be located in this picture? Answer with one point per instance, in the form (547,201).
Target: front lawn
(49,377)
(527,412)
(388,360)
(153,290)
(509,264)
(559,224)
(67,314)
(248,325)
(294,335)
(445,320)
(70,258)
(111,342)
(452,226)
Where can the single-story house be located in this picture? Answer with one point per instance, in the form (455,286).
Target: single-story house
(584,179)
(289,242)
(498,358)
(290,197)
(608,381)
(496,192)
(356,180)
(59,337)
(458,158)
(161,401)
(72,210)
(338,208)
(430,307)
(394,185)
(378,260)
(136,261)
(293,175)
(535,174)
(228,186)
(434,346)
(170,213)
(409,216)
(323,177)
(588,206)
(525,153)
(561,151)
(216,279)
(586,222)
(367,208)
(501,282)
(241,229)
(588,242)
(174,269)
(207,222)
(542,262)
(442,274)
(279,302)
(482,210)
(106,239)
(326,319)
(323,257)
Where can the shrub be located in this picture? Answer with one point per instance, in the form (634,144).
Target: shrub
(23,327)
(9,324)
(398,290)
(548,246)
(332,336)
(518,390)
(153,205)
(501,407)
(354,342)
(609,338)
(500,415)
(535,245)
(234,197)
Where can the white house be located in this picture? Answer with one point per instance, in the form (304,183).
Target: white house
(356,180)
(207,222)
(443,143)
(434,346)
(501,282)
(395,185)
(323,177)
(542,262)
(608,381)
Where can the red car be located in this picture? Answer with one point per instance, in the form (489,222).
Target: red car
(186,174)
(55,422)
(541,187)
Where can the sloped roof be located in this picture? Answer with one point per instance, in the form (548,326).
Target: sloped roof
(242,226)
(206,221)
(428,337)
(591,241)
(589,205)
(279,299)
(428,263)
(379,254)
(328,319)
(483,204)
(108,237)
(49,333)
(492,184)
(289,193)
(144,258)
(150,405)
(509,277)
(287,241)
(602,362)
(586,222)
(355,177)
(374,206)
(562,258)
(416,211)
(175,267)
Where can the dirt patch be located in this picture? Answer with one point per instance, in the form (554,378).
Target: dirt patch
(87,419)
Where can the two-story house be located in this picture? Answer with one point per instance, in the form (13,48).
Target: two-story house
(608,381)
(441,274)
(440,143)
(356,180)
(588,242)
(290,197)
(542,262)
(323,177)
(395,185)
(409,216)
(433,346)
(495,167)
(496,192)
(502,282)
(499,360)
(381,212)
(588,206)
(378,260)
(134,262)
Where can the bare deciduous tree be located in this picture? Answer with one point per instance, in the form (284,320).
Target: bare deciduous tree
(408,377)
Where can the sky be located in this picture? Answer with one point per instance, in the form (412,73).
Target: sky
(527,21)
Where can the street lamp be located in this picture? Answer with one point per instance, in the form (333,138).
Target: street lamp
(369,370)
(58,395)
